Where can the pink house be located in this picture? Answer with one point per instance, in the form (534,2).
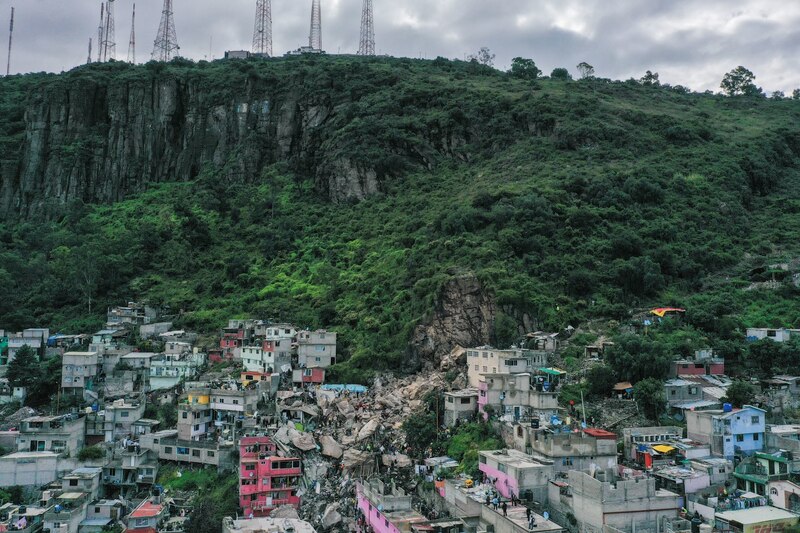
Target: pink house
(386,509)
(514,473)
(266,481)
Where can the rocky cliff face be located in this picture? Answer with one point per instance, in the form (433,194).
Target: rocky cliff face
(464,316)
(96,141)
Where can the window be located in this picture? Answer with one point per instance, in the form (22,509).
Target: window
(485,355)
(317,359)
(73,482)
(184,415)
(755,420)
(197,427)
(466,400)
(249,467)
(183,451)
(210,454)
(235,402)
(97,510)
(566,461)
(772,333)
(319,348)
(485,369)
(511,362)
(755,436)
(739,438)
(449,399)
(672,392)
(195,453)
(476,368)
(693,390)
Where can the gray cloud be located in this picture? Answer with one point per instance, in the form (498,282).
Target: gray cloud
(689,42)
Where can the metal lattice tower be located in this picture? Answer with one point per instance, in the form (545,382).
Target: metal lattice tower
(89,59)
(109,43)
(10,41)
(367,43)
(262,33)
(315,36)
(166,46)
(132,41)
(100,31)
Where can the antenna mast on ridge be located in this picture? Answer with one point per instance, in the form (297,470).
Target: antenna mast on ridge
(366,46)
(262,33)
(89,59)
(100,32)
(109,43)
(315,35)
(132,41)
(166,46)
(10,40)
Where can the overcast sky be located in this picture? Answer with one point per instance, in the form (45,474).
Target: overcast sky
(688,42)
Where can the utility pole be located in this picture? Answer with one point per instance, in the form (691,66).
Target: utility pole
(366,45)
(100,32)
(132,40)
(315,35)
(89,59)
(166,46)
(10,41)
(262,33)
(109,34)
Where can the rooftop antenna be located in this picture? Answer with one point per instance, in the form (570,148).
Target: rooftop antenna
(100,32)
(132,41)
(109,38)
(89,59)
(262,33)
(10,40)
(166,46)
(367,43)
(315,35)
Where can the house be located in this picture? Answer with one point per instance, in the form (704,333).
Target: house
(138,360)
(101,515)
(169,369)
(729,431)
(70,509)
(147,517)
(520,397)
(460,405)
(756,473)
(704,363)
(149,331)
(268,357)
(203,453)
(777,335)
(316,348)
(634,437)
(208,413)
(308,376)
(86,480)
(386,509)
(571,450)
(681,480)
(57,434)
(34,338)
(29,469)
(626,505)
(542,341)
(22,518)
(272,525)
(134,314)
(109,338)
(756,519)
(266,481)
(719,469)
(487,360)
(120,416)
(133,468)
(680,390)
(515,473)
(79,370)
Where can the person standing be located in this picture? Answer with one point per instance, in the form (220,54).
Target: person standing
(505,509)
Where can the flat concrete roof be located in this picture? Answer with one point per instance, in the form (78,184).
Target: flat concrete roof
(514,458)
(756,515)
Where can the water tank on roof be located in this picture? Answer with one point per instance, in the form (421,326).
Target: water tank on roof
(727,408)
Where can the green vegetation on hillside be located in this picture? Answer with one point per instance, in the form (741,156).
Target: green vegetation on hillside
(569,200)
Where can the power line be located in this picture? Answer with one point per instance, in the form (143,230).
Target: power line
(166,46)
(262,33)
(315,35)
(132,41)
(366,45)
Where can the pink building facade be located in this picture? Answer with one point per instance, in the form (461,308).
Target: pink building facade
(266,481)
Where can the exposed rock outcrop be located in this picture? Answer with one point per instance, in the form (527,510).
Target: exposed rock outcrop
(464,316)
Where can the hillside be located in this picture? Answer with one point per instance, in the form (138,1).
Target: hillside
(406,204)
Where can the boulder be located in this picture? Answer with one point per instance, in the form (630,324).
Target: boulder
(330,448)
(368,430)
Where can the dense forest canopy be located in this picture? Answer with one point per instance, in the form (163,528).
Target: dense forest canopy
(570,200)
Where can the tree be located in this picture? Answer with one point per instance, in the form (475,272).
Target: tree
(24,370)
(651,79)
(524,68)
(778,95)
(561,73)
(649,394)
(601,380)
(740,393)
(739,82)
(796,94)
(203,518)
(586,70)
(91,453)
(484,57)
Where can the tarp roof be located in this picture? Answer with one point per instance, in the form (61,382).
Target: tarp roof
(553,371)
(663,448)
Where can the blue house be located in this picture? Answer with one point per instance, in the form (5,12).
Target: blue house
(729,431)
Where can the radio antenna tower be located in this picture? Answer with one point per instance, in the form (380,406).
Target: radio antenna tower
(89,59)
(109,38)
(367,45)
(262,33)
(166,46)
(100,32)
(315,36)
(10,40)
(132,41)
